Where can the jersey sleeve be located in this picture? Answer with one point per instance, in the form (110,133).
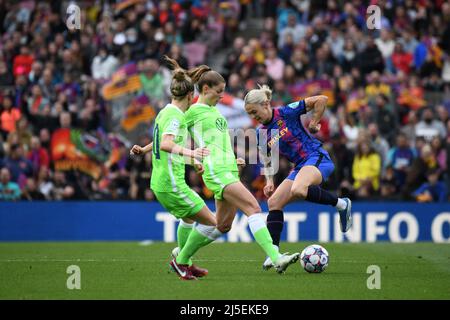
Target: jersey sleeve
(172,126)
(294,109)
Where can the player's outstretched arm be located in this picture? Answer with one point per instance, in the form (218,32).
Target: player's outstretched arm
(269,188)
(317,105)
(168,145)
(141,150)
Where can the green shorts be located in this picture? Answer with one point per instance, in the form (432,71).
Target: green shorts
(182,204)
(217,182)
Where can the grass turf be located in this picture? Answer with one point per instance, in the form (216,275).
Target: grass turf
(127,270)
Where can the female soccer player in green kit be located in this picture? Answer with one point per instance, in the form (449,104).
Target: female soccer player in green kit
(210,129)
(168,174)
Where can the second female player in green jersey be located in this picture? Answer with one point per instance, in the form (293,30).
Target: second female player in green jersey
(168,174)
(209,129)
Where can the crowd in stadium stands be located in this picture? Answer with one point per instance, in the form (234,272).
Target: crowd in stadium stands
(387,126)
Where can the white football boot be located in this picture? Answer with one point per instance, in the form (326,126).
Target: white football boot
(284,261)
(267,264)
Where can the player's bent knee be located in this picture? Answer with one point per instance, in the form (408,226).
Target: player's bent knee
(274,203)
(299,192)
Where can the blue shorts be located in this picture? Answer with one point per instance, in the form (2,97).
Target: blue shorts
(320,159)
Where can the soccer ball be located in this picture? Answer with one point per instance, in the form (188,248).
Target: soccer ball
(314,258)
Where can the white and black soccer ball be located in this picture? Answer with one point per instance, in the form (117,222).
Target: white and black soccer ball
(314,258)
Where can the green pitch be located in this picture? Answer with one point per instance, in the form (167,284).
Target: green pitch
(127,270)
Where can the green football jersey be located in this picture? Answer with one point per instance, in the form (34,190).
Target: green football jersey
(209,128)
(168,168)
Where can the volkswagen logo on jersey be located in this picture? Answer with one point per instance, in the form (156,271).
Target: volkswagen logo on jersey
(221,124)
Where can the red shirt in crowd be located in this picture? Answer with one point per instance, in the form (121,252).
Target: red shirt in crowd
(22,64)
(8,119)
(402,61)
(39,158)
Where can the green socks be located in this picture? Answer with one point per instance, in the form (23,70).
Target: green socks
(199,237)
(262,236)
(183,231)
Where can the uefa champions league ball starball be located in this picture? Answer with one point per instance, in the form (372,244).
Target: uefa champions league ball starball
(314,259)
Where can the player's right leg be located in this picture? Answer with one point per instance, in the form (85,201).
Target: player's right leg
(225,213)
(239,195)
(307,186)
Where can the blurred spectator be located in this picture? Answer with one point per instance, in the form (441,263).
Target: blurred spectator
(380,145)
(342,159)
(31,192)
(401,60)
(348,56)
(8,116)
(389,185)
(295,29)
(430,127)
(376,88)
(281,96)
(234,86)
(153,82)
(18,166)
(433,190)
(44,183)
(177,54)
(104,64)
(409,129)
(336,42)
(62,189)
(6,78)
(386,45)
(287,49)
(366,170)
(385,119)
(440,153)
(37,102)
(23,62)
(408,41)
(370,59)
(233,54)
(274,64)
(443,114)
(416,175)
(9,190)
(400,158)
(38,156)
(47,84)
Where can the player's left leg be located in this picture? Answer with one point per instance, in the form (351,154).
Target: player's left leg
(203,234)
(306,186)
(281,197)
(275,219)
(184,229)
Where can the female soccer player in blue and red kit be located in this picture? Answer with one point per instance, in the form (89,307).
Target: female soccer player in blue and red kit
(313,164)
